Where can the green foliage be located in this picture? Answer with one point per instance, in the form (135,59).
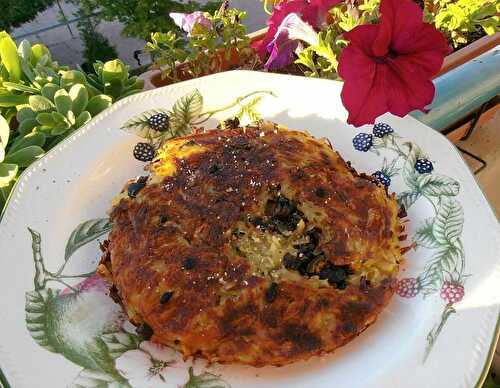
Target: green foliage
(458,19)
(15,12)
(207,50)
(41,103)
(96,46)
(142,17)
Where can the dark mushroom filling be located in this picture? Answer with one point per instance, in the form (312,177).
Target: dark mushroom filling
(299,246)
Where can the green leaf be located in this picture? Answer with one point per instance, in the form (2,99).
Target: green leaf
(9,100)
(49,90)
(114,70)
(139,124)
(27,126)
(72,77)
(96,379)
(24,50)
(20,88)
(62,101)
(185,111)
(10,57)
(38,51)
(37,139)
(84,233)
(82,119)
(450,259)
(448,222)
(24,157)
(250,110)
(38,315)
(408,198)
(204,380)
(25,113)
(113,88)
(5,193)
(435,185)
(7,173)
(424,235)
(98,103)
(120,342)
(4,132)
(79,97)
(45,119)
(408,172)
(40,103)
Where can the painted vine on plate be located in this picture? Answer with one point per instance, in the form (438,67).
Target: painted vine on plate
(440,235)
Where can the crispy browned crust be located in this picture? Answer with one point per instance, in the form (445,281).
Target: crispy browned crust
(220,308)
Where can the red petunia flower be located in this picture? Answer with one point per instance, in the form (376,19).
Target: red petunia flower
(388,67)
(313,12)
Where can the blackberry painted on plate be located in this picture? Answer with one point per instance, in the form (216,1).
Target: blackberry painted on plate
(144,152)
(159,122)
(256,245)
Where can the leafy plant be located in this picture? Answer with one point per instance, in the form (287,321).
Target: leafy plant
(41,103)
(142,17)
(96,45)
(458,19)
(15,12)
(207,49)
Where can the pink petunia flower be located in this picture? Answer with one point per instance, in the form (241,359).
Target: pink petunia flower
(285,42)
(187,21)
(313,12)
(388,67)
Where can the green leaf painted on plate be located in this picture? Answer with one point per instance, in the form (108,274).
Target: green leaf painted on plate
(139,124)
(185,110)
(449,221)
(205,380)
(408,198)
(435,185)
(424,235)
(84,233)
(451,259)
(121,342)
(96,379)
(249,110)
(409,174)
(38,310)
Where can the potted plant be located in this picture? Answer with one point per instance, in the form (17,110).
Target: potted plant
(311,42)
(41,103)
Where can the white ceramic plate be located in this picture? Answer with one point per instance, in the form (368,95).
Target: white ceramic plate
(59,328)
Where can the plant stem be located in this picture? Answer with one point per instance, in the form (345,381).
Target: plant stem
(40,279)
(434,333)
(209,114)
(59,276)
